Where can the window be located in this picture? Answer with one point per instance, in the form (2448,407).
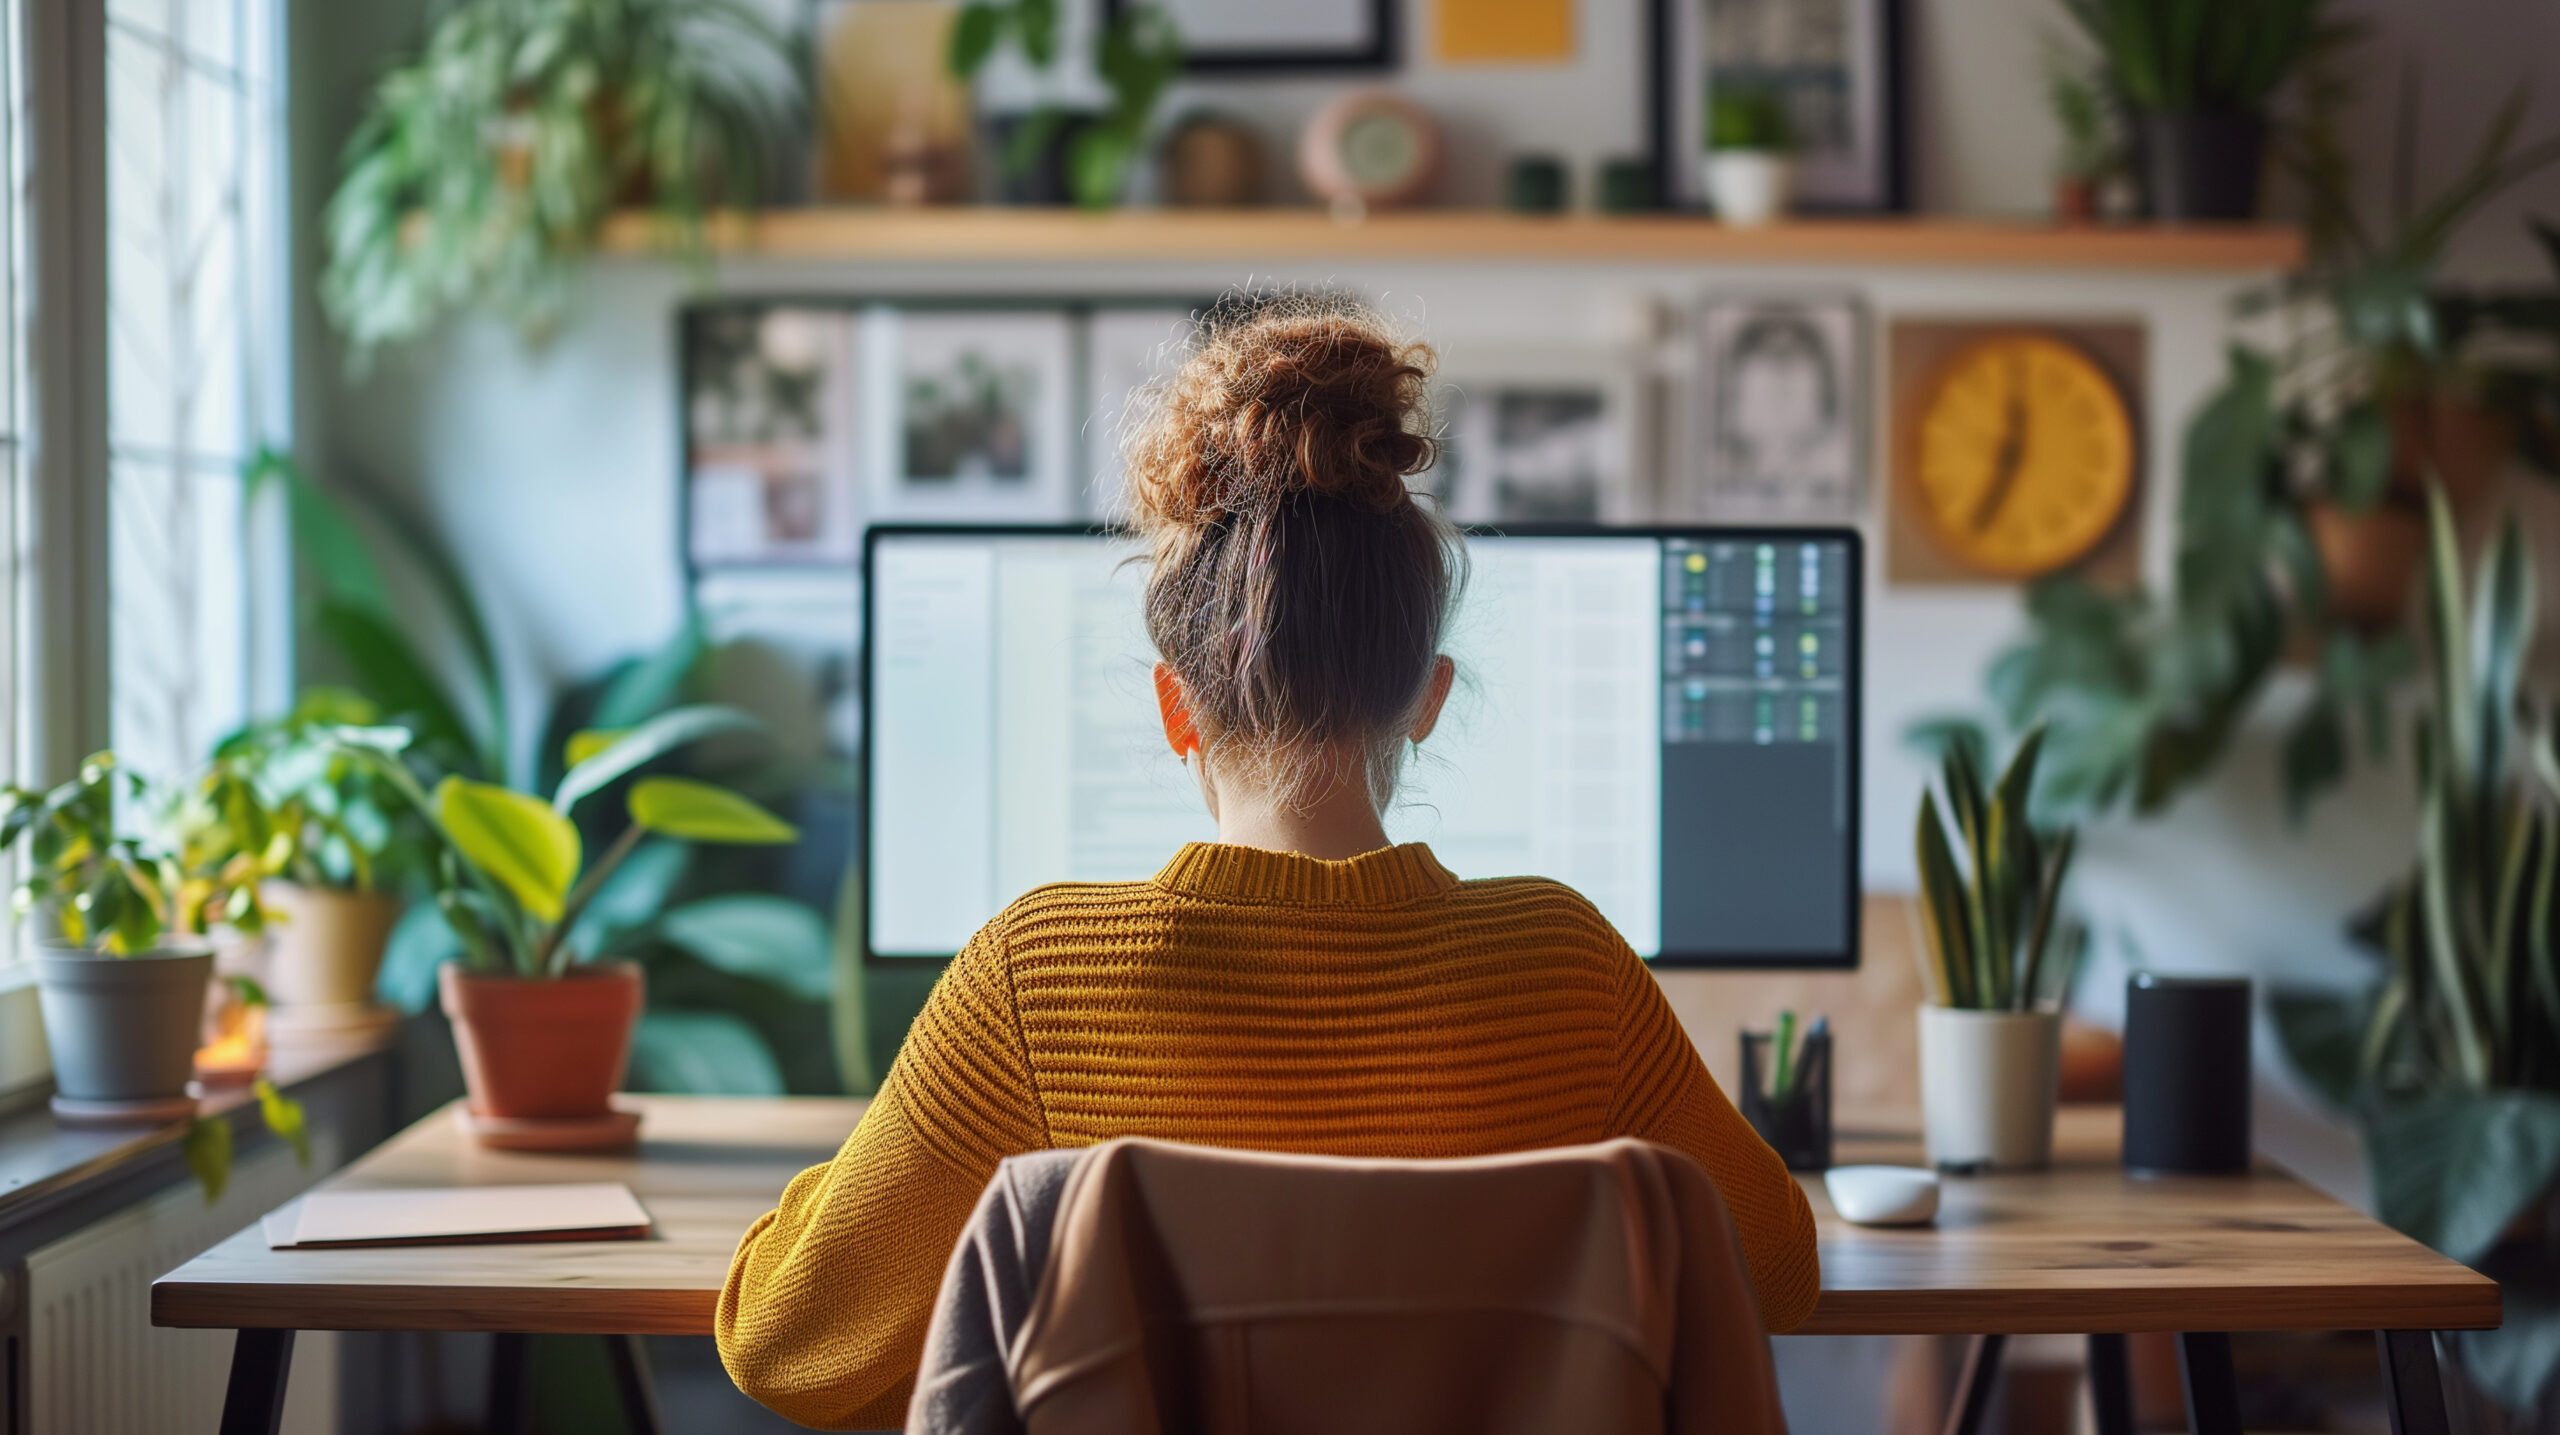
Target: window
(195,326)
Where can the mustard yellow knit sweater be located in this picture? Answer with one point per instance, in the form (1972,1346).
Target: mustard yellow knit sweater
(1376,1007)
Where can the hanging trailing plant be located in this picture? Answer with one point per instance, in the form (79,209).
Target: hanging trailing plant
(486,165)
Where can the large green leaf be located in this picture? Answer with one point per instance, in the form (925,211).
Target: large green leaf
(422,942)
(2453,1169)
(773,939)
(208,1154)
(653,739)
(700,812)
(392,674)
(705,1053)
(2323,1034)
(530,849)
(632,896)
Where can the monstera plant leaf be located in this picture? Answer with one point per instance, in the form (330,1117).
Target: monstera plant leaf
(2454,1169)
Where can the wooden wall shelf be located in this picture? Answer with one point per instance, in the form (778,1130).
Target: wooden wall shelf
(1472,236)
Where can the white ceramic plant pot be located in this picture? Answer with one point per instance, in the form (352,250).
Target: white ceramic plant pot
(1748,186)
(1987,1085)
(326,947)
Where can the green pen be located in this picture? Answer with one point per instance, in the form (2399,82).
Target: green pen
(1782,1073)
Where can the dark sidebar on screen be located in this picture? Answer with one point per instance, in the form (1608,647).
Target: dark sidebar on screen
(1754,756)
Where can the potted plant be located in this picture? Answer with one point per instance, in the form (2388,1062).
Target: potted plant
(1748,172)
(2448,1055)
(2300,522)
(1995,956)
(1053,153)
(2089,156)
(484,167)
(122,982)
(2198,78)
(340,841)
(544,1033)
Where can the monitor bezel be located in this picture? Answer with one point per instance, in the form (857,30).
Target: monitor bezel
(1852,717)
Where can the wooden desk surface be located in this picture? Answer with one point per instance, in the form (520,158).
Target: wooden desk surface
(706,1168)
(2078,1248)
(2084,1248)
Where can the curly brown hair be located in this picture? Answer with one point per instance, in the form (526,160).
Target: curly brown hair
(1298,587)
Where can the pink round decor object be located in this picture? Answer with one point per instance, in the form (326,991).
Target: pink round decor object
(1369,149)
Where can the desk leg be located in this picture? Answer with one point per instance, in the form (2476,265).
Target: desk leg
(2213,1393)
(2110,1385)
(1973,1388)
(254,1402)
(506,1383)
(2412,1383)
(631,1380)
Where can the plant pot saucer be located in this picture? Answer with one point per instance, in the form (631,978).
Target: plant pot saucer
(614,1131)
(331,1025)
(138,1111)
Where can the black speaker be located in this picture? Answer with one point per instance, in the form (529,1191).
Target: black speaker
(2186,1075)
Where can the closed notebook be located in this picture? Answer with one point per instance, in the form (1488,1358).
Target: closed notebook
(460,1215)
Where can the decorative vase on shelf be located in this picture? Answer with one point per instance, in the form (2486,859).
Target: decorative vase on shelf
(2202,166)
(122,1031)
(1988,1083)
(1749,187)
(542,1056)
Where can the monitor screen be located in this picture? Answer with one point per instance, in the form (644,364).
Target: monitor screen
(1664,719)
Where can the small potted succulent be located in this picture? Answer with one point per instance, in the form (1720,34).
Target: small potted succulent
(544,1032)
(340,840)
(121,977)
(1748,170)
(1996,954)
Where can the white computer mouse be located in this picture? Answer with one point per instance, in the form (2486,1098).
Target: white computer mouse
(1883,1195)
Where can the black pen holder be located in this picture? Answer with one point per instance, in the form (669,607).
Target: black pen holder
(1796,1122)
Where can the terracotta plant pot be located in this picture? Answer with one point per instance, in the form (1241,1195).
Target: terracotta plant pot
(2092,1064)
(2452,437)
(327,949)
(122,1030)
(543,1050)
(2369,560)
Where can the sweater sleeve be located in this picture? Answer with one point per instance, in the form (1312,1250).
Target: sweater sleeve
(823,1317)
(1664,1094)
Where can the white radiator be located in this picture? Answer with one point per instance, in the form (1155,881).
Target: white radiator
(95,1363)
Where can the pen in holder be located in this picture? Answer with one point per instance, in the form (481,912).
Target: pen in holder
(1786,1093)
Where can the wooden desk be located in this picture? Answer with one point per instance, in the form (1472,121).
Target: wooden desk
(2080,1248)
(2084,1249)
(706,1168)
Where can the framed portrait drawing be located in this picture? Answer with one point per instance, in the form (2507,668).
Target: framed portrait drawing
(1538,436)
(1780,405)
(1834,66)
(1248,35)
(1126,350)
(772,434)
(972,414)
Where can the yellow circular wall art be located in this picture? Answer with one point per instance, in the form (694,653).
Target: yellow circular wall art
(2023,455)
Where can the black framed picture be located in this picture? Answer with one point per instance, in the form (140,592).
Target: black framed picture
(1835,66)
(1244,35)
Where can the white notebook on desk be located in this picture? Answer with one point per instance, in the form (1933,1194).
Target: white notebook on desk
(460,1215)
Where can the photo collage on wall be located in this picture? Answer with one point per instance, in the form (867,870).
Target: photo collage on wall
(806,421)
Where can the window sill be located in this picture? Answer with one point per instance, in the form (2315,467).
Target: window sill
(41,1159)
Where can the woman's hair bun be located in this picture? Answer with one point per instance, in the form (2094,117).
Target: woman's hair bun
(1278,397)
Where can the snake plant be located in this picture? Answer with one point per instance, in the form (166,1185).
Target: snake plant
(1992,935)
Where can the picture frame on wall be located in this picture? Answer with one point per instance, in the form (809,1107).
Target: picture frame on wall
(1539,436)
(772,428)
(1779,416)
(1836,67)
(1234,36)
(975,409)
(1127,349)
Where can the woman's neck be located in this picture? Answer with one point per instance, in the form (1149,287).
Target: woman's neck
(1341,822)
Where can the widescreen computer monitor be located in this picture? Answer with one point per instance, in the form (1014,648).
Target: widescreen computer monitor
(1664,719)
